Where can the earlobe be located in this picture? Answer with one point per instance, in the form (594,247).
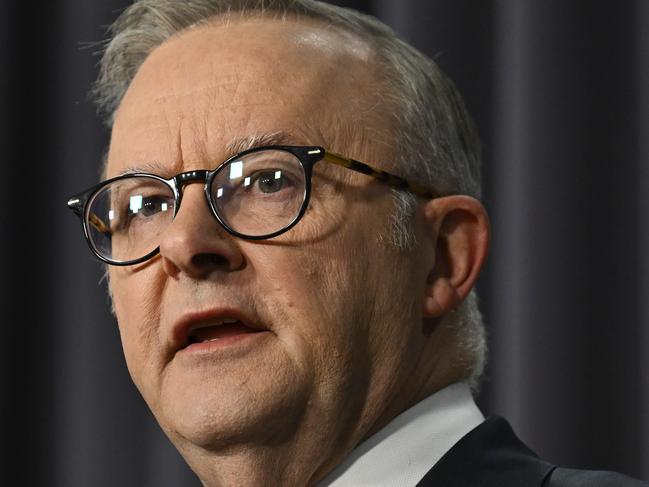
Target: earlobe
(440,298)
(459,230)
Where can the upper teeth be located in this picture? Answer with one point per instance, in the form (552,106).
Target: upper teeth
(223,321)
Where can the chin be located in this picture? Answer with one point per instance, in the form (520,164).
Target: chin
(221,411)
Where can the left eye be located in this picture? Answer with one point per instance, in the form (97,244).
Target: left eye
(270,181)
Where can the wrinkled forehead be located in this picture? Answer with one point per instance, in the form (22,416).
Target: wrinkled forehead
(291,46)
(235,78)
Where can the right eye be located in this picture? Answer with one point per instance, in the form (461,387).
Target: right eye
(148,206)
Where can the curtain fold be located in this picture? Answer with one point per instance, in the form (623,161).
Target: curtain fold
(641,167)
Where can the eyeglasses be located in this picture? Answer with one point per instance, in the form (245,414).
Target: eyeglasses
(257,194)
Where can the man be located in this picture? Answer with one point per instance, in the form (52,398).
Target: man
(291,220)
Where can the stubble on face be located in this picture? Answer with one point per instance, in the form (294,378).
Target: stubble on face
(337,348)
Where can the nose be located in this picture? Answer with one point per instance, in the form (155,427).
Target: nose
(194,243)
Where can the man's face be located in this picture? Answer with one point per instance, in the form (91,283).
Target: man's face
(330,309)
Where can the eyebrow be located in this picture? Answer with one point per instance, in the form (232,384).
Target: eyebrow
(258,140)
(231,149)
(153,167)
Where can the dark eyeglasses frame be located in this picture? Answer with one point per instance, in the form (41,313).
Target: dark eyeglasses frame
(307,155)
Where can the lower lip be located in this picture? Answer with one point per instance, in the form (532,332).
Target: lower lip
(230,341)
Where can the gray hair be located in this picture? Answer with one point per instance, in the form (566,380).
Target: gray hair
(439,144)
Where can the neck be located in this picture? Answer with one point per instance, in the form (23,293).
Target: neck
(319,444)
(296,461)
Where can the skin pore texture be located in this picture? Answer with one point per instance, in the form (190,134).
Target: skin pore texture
(354,329)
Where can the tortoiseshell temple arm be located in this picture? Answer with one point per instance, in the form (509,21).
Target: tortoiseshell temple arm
(76,205)
(386,177)
(96,222)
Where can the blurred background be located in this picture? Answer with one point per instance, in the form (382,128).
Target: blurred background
(560,92)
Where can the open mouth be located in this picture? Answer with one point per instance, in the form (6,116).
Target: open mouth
(218,331)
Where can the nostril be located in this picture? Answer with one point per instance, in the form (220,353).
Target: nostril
(209,261)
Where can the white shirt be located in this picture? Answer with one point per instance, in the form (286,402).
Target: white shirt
(402,452)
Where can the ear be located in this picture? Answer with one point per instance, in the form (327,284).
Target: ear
(458,227)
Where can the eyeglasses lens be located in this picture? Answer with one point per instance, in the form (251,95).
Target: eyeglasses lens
(259,193)
(125,219)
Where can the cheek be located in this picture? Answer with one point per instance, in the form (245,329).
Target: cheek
(315,296)
(137,305)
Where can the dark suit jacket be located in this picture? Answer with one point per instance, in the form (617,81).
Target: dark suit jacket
(492,456)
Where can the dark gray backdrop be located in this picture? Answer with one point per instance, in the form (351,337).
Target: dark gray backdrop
(559,89)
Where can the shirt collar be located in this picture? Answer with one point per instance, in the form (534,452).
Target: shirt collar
(402,452)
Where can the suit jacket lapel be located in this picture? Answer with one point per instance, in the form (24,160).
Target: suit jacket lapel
(489,456)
